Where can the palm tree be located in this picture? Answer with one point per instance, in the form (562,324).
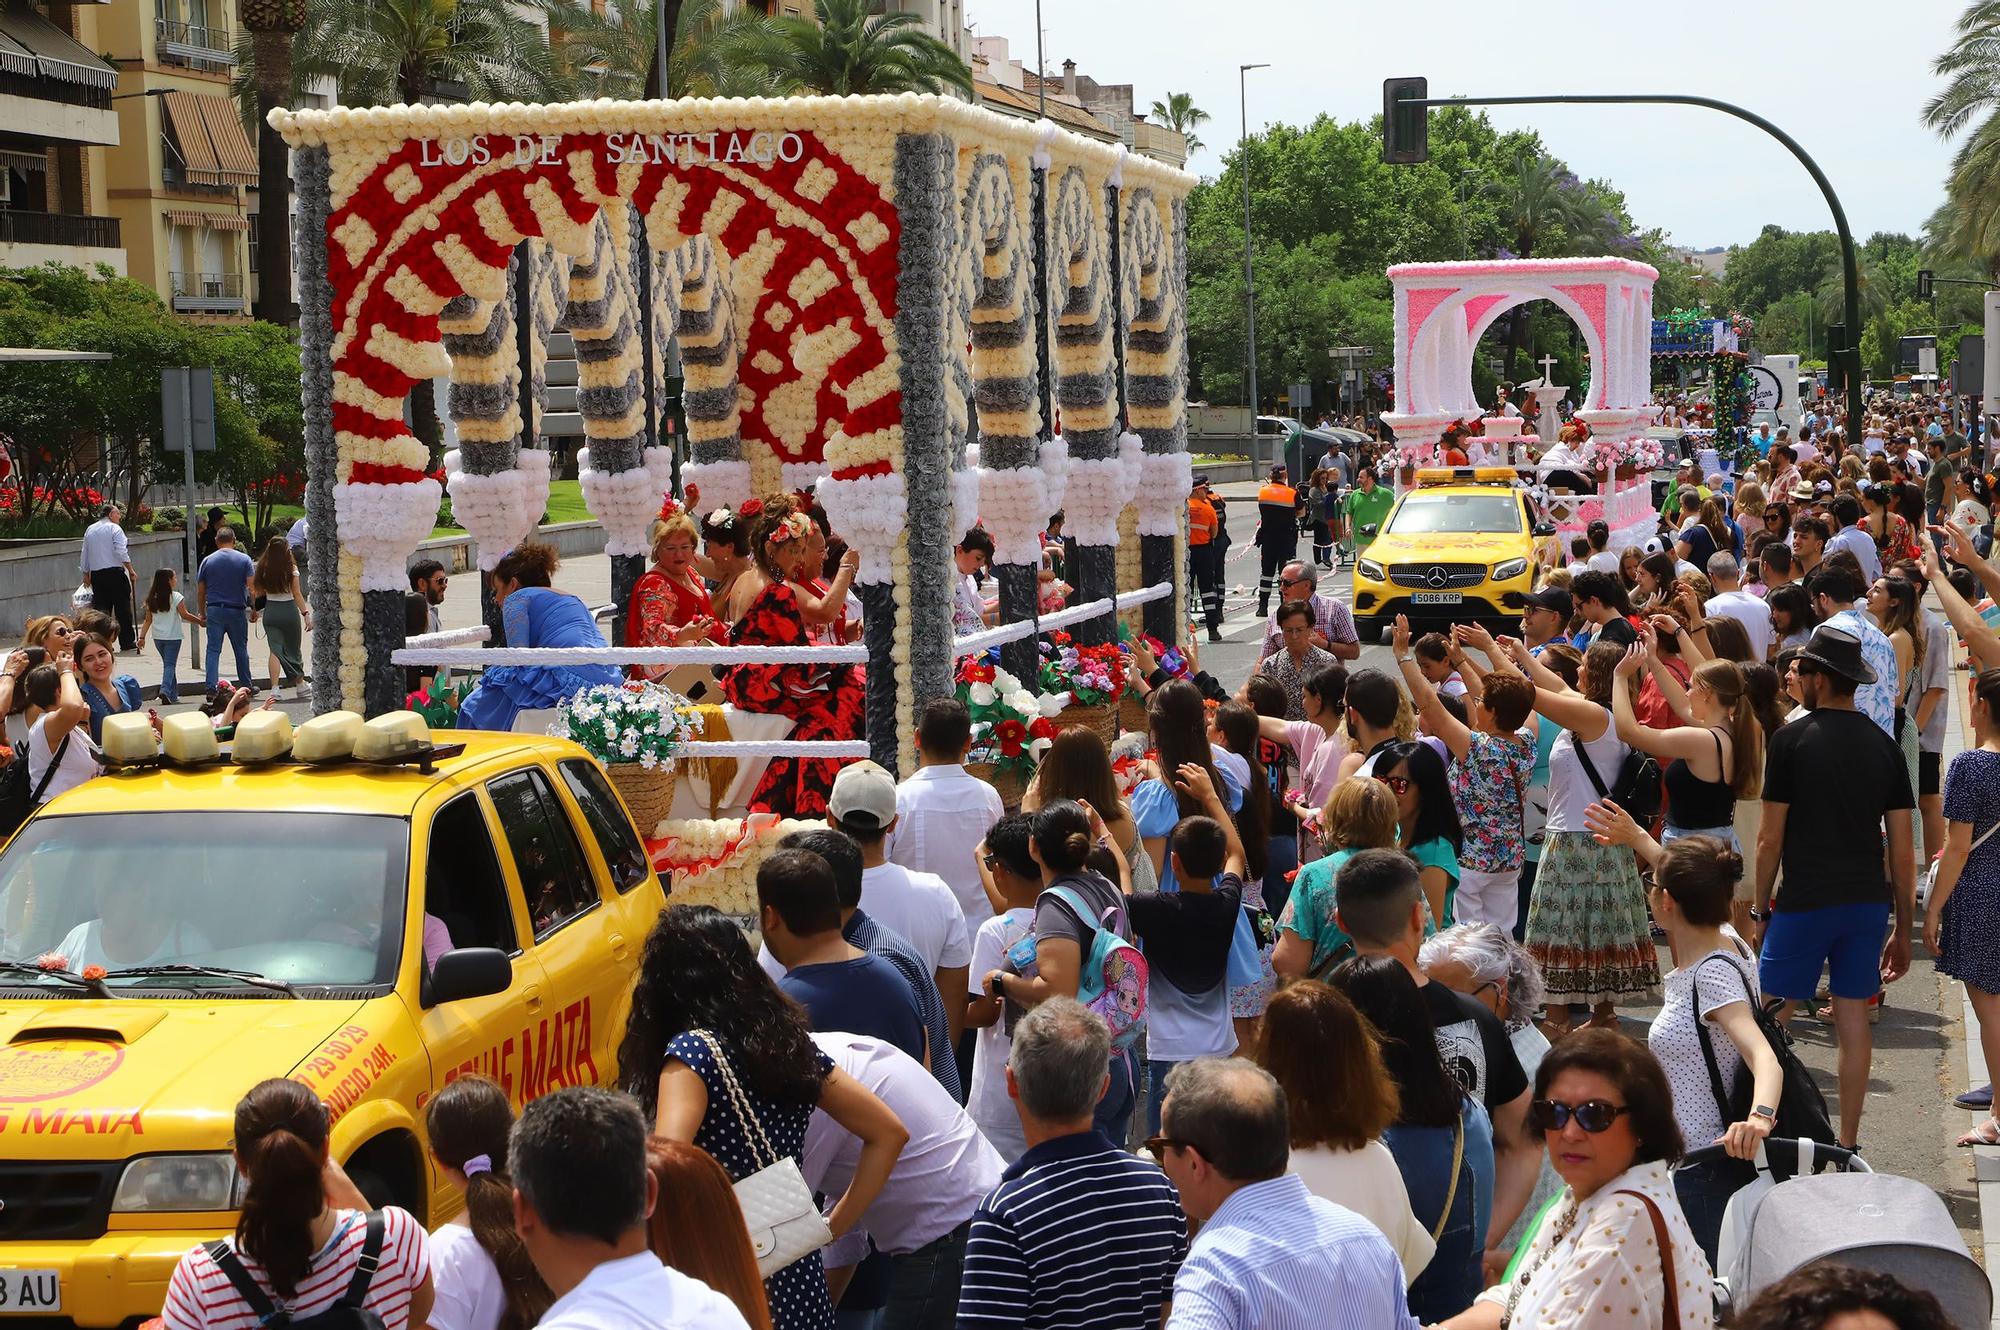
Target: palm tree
(1179,113)
(271,25)
(852,50)
(1971,70)
(1543,205)
(380,52)
(611,54)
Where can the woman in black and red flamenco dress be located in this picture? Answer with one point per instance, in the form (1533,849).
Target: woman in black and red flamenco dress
(824,701)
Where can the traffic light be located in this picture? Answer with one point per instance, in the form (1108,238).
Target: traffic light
(1923,283)
(1836,359)
(1406,129)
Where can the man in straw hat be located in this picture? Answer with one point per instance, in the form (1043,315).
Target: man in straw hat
(1828,833)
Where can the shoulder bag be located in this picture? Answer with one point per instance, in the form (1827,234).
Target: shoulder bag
(1802,1112)
(778,1209)
(1451,1192)
(1670,1291)
(1929,882)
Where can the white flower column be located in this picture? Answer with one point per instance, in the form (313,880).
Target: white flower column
(616,476)
(1103,465)
(1018,473)
(1153,270)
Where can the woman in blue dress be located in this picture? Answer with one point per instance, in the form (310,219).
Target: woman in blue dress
(1964,910)
(533,615)
(718,1057)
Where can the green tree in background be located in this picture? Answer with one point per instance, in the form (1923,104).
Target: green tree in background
(611,53)
(382,52)
(853,49)
(71,421)
(1179,113)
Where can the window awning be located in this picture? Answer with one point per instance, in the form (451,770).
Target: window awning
(213,147)
(30,45)
(22,161)
(208,221)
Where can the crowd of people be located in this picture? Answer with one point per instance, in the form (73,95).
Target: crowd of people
(1308,1007)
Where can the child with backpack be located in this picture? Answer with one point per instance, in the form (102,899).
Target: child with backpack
(1083,947)
(1186,935)
(306,1243)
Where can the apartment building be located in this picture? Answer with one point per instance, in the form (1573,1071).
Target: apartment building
(183,162)
(56,120)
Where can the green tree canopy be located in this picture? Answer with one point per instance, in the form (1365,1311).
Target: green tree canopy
(854,48)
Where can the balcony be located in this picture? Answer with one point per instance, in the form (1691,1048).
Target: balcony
(30,239)
(174,176)
(207,293)
(50,228)
(202,45)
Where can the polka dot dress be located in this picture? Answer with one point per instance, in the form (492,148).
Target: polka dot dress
(798,1292)
(1725,978)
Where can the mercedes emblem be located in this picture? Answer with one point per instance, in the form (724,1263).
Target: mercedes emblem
(1437,577)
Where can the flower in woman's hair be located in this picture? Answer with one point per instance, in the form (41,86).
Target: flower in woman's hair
(750,508)
(669,507)
(722,517)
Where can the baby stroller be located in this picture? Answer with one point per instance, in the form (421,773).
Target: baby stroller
(1789,1218)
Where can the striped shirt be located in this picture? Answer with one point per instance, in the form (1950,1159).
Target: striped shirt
(1078,1235)
(200,1294)
(1275,1257)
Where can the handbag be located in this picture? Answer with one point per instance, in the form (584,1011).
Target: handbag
(778,1208)
(1929,882)
(1451,1192)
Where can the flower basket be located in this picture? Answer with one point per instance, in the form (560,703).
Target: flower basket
(1007,780)
(1103,718)
(648,792)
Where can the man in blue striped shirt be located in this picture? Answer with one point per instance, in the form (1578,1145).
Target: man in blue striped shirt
(1270,1254)
(1079,1235)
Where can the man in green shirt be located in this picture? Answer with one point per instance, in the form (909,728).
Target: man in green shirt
(1367,504)
(1946,451)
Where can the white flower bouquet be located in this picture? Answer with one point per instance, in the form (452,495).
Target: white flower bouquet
(630,722)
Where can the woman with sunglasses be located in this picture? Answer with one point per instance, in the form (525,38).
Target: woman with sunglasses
(1604,1107)
(1441,1139)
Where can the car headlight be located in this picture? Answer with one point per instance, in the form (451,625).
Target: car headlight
(1370,569)
(179,1182)
(1510,569)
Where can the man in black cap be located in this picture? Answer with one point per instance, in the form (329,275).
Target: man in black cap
(1545,617)
(1832,781)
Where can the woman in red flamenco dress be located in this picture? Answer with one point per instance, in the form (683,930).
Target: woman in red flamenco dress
(824,701)
(670,606)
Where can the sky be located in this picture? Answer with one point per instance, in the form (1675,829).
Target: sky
(1847,78)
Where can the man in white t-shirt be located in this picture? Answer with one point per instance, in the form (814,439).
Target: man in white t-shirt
(582,1194)
(1731,601)
(918,906)
(942,810)
(921,1217)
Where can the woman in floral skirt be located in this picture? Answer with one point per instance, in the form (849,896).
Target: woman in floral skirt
(1587,924)
(823,701)
(1964,911)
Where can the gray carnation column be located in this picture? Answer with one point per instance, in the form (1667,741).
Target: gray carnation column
(311,177)
(1079,291)
(603,322)
(925,167)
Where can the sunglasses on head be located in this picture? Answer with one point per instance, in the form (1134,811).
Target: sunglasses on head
(1593,1115)
(1400,784)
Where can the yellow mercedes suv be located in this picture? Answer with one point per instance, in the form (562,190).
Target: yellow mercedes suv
(1460,546)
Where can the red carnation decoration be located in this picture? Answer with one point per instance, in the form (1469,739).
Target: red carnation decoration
(1012,737)
(979,674)
(1042,728)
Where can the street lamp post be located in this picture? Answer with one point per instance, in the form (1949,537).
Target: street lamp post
(1249,281)
(1464,227)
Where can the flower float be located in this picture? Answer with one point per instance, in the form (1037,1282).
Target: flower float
(713,861)
(1009,728)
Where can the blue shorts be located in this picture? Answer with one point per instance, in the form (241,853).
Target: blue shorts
(1849,938)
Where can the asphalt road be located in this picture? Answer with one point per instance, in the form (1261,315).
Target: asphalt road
(1909,1125)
